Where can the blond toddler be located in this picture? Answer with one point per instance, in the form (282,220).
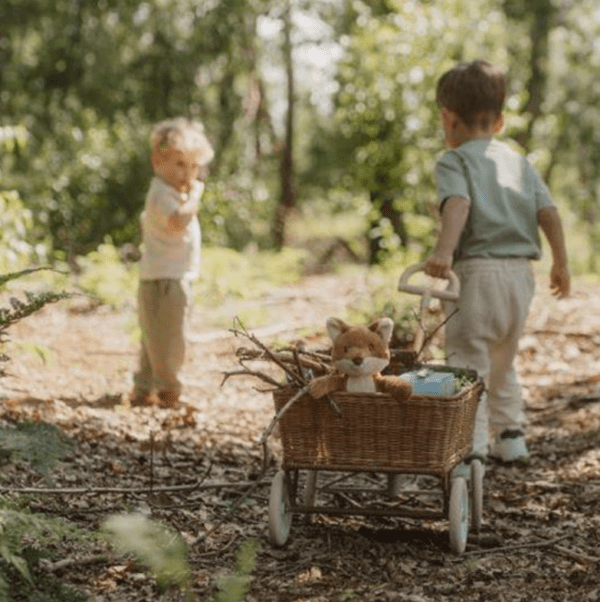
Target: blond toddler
(170,257)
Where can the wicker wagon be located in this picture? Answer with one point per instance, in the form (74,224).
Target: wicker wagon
(373,433)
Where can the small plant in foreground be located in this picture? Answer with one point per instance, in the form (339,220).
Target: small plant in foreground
(39,443)
(234,587)
(24,537)
(163,552)
(15,309)
(154,545)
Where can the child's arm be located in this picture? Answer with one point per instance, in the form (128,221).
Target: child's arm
(455,212)
(182,216)
(551,226)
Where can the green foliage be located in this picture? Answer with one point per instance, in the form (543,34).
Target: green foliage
(236,212)
(16,225)
(105,277)
(17,309)
(234,587)
(227,274)
(83,82)
(154,545)
(385,128)
(384,300)
(82,85)
(39,443)
(33,302)
(18,561)
(46,588)
(24,536)
(160,549)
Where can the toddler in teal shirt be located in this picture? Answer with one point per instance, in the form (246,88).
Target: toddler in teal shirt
(493,204)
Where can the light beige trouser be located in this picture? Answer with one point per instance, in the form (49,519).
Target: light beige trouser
(161,312)
(484,335)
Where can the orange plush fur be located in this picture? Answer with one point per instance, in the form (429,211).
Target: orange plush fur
(359,355)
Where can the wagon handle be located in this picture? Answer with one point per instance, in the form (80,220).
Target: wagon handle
(450,293)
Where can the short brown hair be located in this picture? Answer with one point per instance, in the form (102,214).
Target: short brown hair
(474,91)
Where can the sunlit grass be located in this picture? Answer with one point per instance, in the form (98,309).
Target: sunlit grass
(228,275)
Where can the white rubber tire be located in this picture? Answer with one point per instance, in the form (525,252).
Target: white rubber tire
(310,488)
(477,472)
(280,517)
(458,515)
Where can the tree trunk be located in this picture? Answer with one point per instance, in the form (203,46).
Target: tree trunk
(541,23)
(287,199)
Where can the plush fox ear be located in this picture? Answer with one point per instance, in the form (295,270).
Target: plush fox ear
(384,328)
(335,327)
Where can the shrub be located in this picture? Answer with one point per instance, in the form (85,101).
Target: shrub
(24,536)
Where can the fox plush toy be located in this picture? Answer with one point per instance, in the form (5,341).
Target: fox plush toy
(359,355)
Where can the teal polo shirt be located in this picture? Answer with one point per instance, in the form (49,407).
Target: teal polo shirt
(505,194)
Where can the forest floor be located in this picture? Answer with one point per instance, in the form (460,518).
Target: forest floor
(540,539)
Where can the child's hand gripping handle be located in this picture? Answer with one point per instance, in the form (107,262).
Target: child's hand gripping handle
(450,293)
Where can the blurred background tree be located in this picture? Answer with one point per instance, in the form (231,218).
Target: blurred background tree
(316,108)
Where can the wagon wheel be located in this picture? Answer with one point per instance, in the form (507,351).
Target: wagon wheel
(458,514)
(310,488)
(280,517)
(477,471)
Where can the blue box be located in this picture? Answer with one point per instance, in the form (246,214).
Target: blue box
(429,382)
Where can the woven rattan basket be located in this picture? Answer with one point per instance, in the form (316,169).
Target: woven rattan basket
(424,435)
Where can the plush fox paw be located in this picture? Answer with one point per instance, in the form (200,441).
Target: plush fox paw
(325,385)
(395,387)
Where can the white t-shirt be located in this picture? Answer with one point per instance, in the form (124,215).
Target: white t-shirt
(167,253)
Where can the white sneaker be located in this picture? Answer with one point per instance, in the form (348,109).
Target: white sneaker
(510,446)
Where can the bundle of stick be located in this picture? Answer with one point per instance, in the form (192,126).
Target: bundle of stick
(298,364)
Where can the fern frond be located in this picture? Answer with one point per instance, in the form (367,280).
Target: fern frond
(41,444)
(4,278)
(34,302)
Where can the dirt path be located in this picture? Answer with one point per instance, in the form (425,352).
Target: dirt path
(540,522)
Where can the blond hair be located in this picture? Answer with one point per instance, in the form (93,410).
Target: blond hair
(182,134)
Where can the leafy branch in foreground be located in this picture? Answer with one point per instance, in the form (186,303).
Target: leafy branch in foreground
(163,551)
(17,560)
(25,537)
(18,309)
(154,545)
(234,587)
(4,278)
(40,443)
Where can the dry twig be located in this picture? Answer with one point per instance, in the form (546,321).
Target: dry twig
(272,356)
(430,335)
(68,563)
(520,546)
(197,485)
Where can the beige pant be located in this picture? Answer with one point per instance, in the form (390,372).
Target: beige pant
(161,311)
(484,335)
